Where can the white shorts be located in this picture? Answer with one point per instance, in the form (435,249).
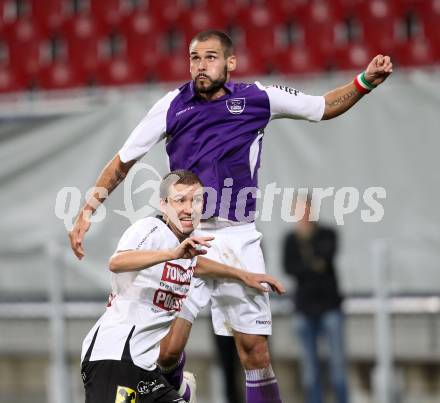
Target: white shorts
(233,305)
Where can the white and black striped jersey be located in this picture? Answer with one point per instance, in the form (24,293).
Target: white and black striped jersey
(143,303)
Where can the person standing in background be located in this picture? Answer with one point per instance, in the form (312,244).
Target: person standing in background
(308,257)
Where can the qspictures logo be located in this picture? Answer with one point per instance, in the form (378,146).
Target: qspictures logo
(346,201)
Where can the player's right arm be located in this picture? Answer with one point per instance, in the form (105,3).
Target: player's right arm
(147,133)
(287,102)
(111,176)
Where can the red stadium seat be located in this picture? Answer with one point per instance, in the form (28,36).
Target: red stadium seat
(350,6)
(379,20)
(288,9)
(352,57)
(322,10)
(25,39)
(119,71)
(3,22)
(84,37)
(4,50)
(166,12)
(425,9)
(248,65)
(417,52)
(173,67)
(50,14)
(60,75)
(199,19)
(226,10)
(10,80)
(320,27)
(142,35)
(258,23)
(109,12)
(300,59)
(428,13)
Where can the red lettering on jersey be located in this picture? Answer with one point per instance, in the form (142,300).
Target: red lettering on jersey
(168,301)
(176,274)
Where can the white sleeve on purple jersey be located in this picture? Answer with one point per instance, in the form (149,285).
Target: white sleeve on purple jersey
(287,102)
(149,131)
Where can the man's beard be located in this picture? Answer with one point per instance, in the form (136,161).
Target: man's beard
(214,86)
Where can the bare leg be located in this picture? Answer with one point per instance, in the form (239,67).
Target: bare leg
(261,383)
(173,345)
(172,356)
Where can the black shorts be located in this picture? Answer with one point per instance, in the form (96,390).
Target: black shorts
(109,381)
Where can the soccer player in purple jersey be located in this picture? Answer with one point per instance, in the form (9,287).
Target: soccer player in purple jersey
(214,128)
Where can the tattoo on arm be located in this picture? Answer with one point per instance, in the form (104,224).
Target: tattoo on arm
(116,179)
(342,99)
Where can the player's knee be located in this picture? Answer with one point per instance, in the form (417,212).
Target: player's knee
(255,353)
(258,357)
(169,357)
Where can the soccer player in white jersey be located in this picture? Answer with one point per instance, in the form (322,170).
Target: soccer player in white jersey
(151,274)
(214,128)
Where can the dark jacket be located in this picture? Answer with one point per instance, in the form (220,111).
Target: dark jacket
(311,263)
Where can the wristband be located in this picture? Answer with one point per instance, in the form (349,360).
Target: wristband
(362,85)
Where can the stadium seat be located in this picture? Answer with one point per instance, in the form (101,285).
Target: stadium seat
(199,19)
(60,75)
(226,10)
(289,33)
(166,12)
(109,12)
(3,22)
(16,9)
(173,67)
(424,8)
(417,52)
(349,6)
(288,9)
(11,80)
(258,23)
(50,14)
(320,26)
(25,39)
(248,65)
(142,35)
(300,59)
(84,37)
(119,71)
(353,56)
(379,21)
(173,41)
(428,12)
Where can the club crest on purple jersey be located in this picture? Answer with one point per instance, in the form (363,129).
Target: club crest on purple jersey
(236,105)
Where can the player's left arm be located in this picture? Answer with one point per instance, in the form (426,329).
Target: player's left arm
(209,268)
(343,98)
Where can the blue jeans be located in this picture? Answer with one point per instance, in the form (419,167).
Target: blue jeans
(330,326)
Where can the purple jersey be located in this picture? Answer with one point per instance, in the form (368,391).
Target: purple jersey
(220,140)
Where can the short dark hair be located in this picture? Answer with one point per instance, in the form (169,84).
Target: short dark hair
(225,40)
(178,177)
